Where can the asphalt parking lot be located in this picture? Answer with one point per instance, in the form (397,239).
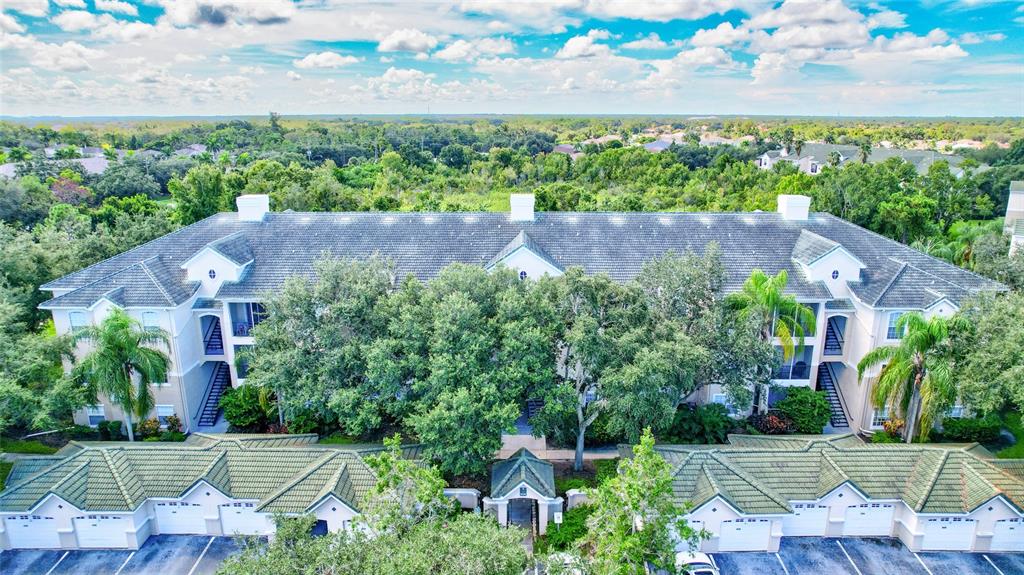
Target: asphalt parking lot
(868,556)
(161,554)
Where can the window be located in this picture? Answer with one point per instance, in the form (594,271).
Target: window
(724,400)
(257,312)
(522,492)
(96,414)
(522,275)
(212,274)
(150,321)
(78,320)
(163,412)
(893,332)
(835,274)
(879,417)
(955,411)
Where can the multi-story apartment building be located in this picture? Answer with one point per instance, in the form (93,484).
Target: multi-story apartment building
(203,283)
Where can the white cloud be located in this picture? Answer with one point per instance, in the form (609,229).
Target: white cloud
(103,25)
(36,8)
(407,40)
(293,75)
(76,20)
(116,6)
(464,51)
(182,58)
(251,70)
(224,59)
(722,35)
(802,12)
(585,46)
(664,11)
(9,24)
(70,3)
(221,12)
(887,19)
(975,38)
(651,42)
(324,60)
(66,57)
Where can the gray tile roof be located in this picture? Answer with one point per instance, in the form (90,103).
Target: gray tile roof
(150,282)
(810,247)
(234,247)
(523,240)
(287,244)
(522,467)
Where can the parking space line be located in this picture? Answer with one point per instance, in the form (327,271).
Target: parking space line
(58,562)
(998,570)
(779,557)
(121,568)
(848,558)
(201,555)
(921,561)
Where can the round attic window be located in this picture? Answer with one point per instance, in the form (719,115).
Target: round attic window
(522,275)
(212,274)
(835,274)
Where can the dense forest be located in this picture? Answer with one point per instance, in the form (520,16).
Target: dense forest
(58,217)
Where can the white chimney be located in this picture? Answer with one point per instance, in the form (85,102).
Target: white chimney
(252,207)
(522,207)
(793,207)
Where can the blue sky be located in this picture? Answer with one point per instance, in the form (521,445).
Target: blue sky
(797,57)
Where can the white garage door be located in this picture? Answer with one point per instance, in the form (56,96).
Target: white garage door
(948,534)
(1008,535)
(241,519)
(183,518)
(745,535)
(32,532)
(807,520)
(102,531)
(869,519)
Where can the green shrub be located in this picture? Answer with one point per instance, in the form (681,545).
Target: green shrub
(972,429)
(598,434)
(147,428)
(243,409)
(172,436)
(339,439)
(808,409)
(885,437)
(700,424)
(101,428)
(81,432)
(572,529)
(29,446)
(304,421)
(563,484)
(605,468)
(115,430)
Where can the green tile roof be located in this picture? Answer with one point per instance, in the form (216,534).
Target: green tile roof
(284,473)
(762,474)
(523,466)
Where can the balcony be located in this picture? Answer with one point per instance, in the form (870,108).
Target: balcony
(798,367)
(245,316)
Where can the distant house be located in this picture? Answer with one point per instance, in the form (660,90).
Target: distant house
(657,146)
(90,151)
(191,150)
(1015,216)
(567,149)
(8,170)
(94,165)
(602,140)
(813,157)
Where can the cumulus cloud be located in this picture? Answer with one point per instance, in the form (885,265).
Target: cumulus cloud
(221,12)
(407,40)
(887,19)
(103,25)
(293,75)
(651,41)
(251,70)
(974,38)
(66,57)
(660,11)
(70,3)
(585,46)
(9,24)
(116,6)
(722,35)
(36,8)
(324,60)
(467,50)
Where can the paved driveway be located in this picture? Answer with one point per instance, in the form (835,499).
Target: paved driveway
(868,556)
(161,554)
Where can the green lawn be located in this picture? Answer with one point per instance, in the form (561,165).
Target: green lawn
(8,445)
(1016,427)
(5,468)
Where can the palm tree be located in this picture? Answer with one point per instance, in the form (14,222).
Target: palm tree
(778,315)
(798,146)
(763,301)
(123,363)
(916,380)
(865,151)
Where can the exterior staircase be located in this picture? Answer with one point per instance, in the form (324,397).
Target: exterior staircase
(220,381)
(833,341)
(213,339)
(827,383)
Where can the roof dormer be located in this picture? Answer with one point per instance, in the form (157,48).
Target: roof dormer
(219,261)
(525,255)
(825,260)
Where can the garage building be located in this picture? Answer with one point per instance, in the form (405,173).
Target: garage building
(755,490)
(115,495)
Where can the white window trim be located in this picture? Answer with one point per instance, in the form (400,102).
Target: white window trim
(891,324)
(881,416)
(163,422)
(97,410)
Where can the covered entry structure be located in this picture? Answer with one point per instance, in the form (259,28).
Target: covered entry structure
(524,480)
